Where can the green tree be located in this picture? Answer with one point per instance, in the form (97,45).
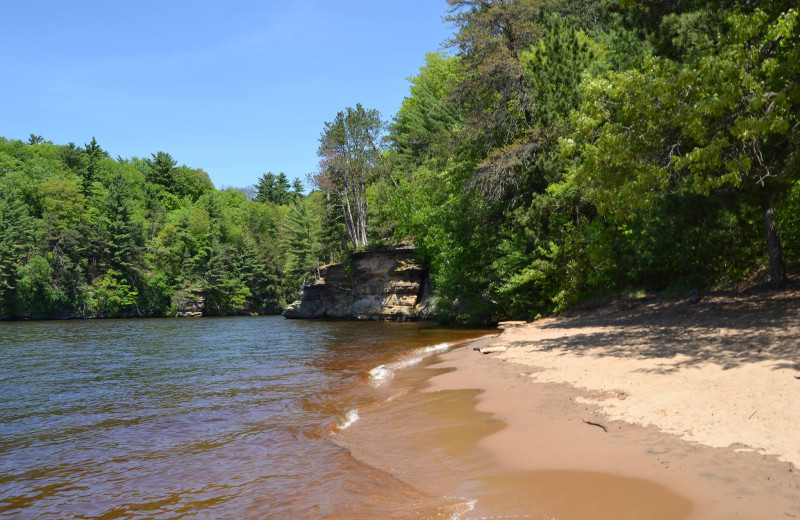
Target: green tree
(112,295)
(66,239)
(71,156)
(94,155)
(724,117)
(227,291)
(302,244)
(190,183)
(124,229)
(490,35)
(297,187)
(160,168)
(35,293)
(350,149)
(425,126)
(261,273)
(17,243)
(273,188)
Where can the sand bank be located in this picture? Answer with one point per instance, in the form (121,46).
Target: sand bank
(703,398)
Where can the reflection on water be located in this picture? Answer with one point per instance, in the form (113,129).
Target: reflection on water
(208,418)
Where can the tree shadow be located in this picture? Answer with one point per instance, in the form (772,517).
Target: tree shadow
(728,329)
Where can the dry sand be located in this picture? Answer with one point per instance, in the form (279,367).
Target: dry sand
(703,398)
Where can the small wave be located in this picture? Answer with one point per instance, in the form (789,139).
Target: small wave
(433,349)
(419,354)
(380,372)
(347,420)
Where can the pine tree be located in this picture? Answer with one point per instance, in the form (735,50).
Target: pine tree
(301,244)
(124,230)
(17,242)
(94,154)
(159,169)
(227,292)
(273,188)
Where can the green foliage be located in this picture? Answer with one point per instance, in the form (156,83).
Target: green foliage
(565,150)
(71,156)
(227,291)
(17,238)
(424,128)
(274,188)
(725,116)
(160,168)
(35,294)
(112,295)
(350,149)
(789,224)
(94,155)
(122,228)
(575,149)
(82,234)
(189,183)
(302,241)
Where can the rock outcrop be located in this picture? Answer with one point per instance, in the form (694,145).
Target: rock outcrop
(190,303)
(380,284)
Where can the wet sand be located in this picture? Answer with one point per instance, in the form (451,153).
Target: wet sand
(433,437)
(636,411)
(701,399)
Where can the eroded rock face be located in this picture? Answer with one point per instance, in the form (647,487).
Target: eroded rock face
(386,284)
(190,303)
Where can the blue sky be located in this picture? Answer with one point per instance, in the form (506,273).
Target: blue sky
(237,88)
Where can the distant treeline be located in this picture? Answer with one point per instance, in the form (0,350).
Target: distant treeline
(82,234)
(562,150)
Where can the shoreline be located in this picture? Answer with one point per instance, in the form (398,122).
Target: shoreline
(702,399)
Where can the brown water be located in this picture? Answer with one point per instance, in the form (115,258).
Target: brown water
(264,418)
(212,418)
(430,439)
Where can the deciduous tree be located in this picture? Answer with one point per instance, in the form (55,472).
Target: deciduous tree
(350,149)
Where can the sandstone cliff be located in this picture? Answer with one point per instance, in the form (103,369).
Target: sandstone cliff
(190,303)
(381,284)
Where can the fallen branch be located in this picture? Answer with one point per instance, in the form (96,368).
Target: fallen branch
(595,424)
(492,348)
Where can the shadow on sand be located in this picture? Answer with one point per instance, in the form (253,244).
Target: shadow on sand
(729,329)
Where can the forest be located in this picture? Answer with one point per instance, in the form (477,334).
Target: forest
(555,152)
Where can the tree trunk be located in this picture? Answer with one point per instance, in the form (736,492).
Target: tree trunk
(347,212)
(777,272)
(362,212)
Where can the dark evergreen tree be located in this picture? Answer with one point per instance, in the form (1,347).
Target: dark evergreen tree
(302,246)
(159,169)
(297,187)
(94,154)
(17,243)
(123,229)
(227,292)
(273,188)
(72,156)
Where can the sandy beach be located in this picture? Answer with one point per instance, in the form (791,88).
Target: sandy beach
(703,399)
